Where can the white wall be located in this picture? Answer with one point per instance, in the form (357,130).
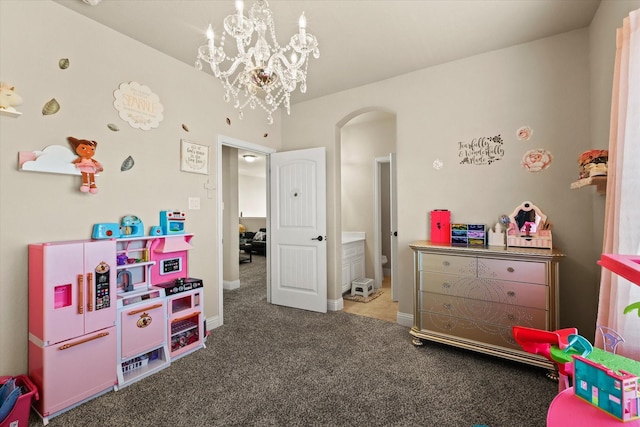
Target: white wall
(543,84)
(252,196)
(37,207)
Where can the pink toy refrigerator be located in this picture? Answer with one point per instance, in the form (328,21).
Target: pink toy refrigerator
(72,317)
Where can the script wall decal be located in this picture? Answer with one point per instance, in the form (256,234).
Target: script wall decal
(481,151)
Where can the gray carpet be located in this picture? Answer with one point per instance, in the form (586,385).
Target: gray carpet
(276,366)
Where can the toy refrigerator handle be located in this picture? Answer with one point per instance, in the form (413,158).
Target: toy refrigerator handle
(90,288)
(80,294)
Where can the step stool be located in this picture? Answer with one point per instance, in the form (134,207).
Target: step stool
(362,286)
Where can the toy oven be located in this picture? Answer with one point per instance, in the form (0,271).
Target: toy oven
(184,308)
(172,222)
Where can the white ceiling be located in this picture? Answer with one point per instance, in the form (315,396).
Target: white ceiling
(361,41)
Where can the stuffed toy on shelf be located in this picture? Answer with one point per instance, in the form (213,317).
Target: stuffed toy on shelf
(86,164)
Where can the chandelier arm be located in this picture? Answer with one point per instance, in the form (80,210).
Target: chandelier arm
(289,65)
(232,69)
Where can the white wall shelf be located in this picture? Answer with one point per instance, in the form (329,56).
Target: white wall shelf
(599,181)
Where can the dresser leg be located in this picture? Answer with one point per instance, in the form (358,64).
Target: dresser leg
(417,342)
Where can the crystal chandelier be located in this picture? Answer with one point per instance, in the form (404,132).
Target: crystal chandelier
(259,74)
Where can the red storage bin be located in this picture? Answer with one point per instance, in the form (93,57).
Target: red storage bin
(440,226)
(19,415)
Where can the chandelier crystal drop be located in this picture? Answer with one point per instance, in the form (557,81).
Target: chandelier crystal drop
(259,74)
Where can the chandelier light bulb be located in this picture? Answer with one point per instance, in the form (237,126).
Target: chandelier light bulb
(302,23)
(259,73)
(240,8)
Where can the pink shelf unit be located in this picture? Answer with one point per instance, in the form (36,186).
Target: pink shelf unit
(627,266)
(170,256)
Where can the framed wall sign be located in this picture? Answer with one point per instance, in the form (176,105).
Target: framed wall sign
(194,157)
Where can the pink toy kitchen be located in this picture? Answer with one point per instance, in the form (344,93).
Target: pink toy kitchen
(107,312)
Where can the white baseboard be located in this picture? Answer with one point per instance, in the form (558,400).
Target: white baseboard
(405,319)
(213,322)
(335,304)
(230,284)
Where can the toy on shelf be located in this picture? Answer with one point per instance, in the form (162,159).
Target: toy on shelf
(9,99)
(106,230)
(172,222)
(86,164)
(529,228)
(131,226)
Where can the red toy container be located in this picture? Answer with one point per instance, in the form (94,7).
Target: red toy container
(440,226)
(19,415)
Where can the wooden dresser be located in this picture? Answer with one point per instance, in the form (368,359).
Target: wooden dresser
(470,297)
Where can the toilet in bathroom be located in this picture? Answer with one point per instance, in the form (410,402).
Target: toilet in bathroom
(383,261)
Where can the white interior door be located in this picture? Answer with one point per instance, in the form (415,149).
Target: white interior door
(297,236)
(394,226)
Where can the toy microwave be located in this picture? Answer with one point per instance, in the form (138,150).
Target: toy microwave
(172,222)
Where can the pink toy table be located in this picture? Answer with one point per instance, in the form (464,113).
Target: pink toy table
(567,410)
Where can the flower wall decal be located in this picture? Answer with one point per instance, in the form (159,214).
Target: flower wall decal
(536,160)
(524,133)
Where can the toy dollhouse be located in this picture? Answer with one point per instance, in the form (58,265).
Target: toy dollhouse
(614,392)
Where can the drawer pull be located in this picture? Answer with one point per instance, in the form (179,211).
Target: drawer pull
(141,310)
(73,344)
(446,263)
(511,294)
(511,316)
(511,269)
(447,306)
(188,316)
(446,285)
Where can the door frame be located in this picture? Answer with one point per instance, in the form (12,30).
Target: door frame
(224,140)
(377,235)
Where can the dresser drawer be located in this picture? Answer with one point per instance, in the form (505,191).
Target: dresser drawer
(501,291)
(482,333)
(517,271)
(488,312)
(466,266)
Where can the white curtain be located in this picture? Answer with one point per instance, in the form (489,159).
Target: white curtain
(622,215)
